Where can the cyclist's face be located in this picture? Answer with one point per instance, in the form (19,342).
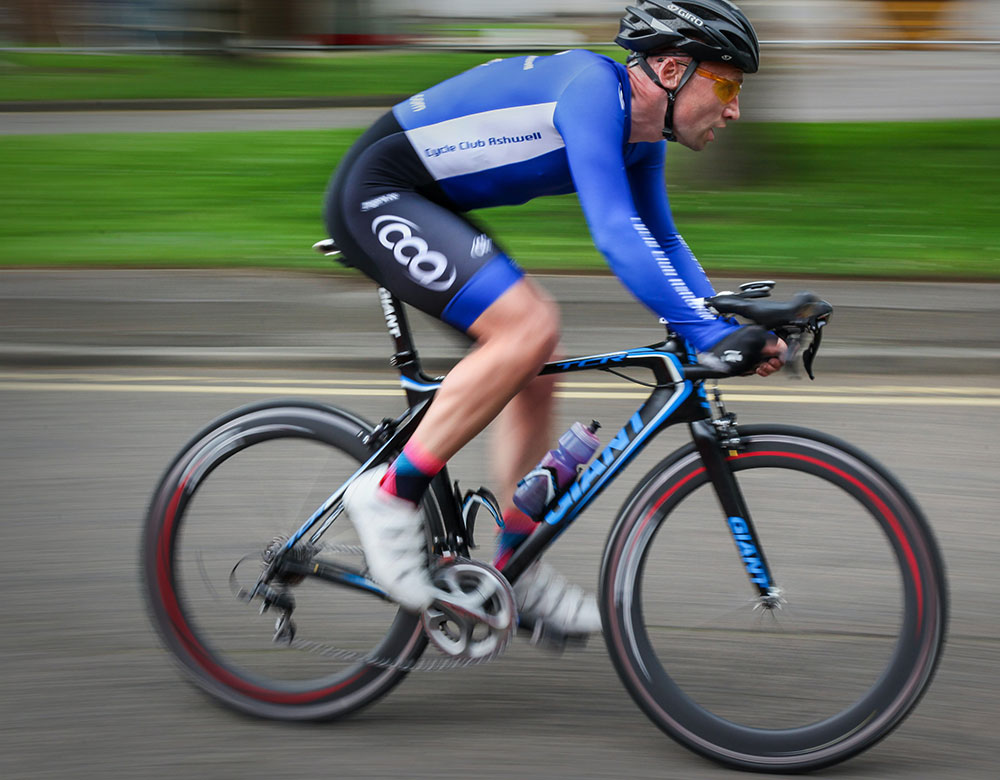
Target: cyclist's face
(699,109)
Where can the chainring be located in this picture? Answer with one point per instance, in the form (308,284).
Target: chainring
(478,618)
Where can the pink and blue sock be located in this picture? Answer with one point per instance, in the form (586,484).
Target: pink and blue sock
(517,527)
(411,473)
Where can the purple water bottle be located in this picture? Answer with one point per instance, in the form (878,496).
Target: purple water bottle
(557,469)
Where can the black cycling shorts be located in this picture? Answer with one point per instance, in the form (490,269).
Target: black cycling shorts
(393,222)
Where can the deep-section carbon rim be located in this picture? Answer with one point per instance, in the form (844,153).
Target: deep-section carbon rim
(263,470)
(820,680)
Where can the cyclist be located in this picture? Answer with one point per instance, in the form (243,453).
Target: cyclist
(503,133)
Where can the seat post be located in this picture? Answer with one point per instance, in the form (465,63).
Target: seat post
(405,358)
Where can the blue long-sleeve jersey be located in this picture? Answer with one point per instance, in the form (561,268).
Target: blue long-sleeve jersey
(516,129)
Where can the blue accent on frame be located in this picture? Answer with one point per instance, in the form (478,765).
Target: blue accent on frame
(362,582)
(410,384)
(748,551)
(569,507)
(703,395)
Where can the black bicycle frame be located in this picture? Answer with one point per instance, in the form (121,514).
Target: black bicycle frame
(678,396)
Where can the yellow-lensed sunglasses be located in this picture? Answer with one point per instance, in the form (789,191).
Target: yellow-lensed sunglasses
(725,89)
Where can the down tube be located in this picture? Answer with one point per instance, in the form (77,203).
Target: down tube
(660,410)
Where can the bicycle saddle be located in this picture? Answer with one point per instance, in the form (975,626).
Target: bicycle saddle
(329,248)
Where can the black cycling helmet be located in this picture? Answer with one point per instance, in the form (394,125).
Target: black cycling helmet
(705,30)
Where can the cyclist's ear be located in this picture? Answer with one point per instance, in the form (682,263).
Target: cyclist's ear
(669,69)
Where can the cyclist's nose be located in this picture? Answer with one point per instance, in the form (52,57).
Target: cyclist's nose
(732,109)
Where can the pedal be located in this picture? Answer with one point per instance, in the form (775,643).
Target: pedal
(552,640)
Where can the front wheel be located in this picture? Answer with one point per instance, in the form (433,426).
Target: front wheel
(821,672)
(231,498)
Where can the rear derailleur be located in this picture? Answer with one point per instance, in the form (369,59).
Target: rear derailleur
(273,586)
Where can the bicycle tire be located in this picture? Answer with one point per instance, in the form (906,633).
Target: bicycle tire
(852,487)
(320,693)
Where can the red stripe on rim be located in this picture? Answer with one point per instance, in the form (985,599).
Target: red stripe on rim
(911,558)
(187,637)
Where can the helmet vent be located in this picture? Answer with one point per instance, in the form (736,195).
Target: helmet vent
(706,30)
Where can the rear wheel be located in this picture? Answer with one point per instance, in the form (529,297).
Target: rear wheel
(246,481)
(855,640)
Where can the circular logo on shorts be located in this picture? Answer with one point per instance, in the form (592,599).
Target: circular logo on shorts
(425,266)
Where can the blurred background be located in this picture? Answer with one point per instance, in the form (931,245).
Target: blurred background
(225,23)
(858,103)
(163,164)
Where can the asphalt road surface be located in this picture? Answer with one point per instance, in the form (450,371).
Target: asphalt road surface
(88,692)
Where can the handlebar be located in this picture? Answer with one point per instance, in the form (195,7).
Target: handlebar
(799,322)
(795,314)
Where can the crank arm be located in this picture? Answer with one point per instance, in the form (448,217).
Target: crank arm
(465,607)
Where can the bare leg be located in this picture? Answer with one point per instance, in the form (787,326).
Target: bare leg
(516,335)
(519,442)
(524,433)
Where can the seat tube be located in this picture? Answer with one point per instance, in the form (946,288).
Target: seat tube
(398,327)
(727,490)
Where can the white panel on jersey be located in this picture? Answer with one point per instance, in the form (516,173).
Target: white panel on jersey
(478,142)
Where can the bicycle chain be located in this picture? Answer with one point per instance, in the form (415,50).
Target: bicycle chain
(425,665)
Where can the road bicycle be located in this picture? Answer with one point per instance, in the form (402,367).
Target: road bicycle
(806,646)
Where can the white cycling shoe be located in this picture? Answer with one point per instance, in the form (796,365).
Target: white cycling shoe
(551,608)
(392,534)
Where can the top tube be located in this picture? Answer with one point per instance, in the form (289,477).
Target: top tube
(406,360)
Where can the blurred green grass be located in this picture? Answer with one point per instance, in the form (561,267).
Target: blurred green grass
(906,200)
(45,76)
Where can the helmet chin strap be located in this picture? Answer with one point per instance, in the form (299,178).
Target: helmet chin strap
(635,58)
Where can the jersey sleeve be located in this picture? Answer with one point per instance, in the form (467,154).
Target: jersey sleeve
(644,251)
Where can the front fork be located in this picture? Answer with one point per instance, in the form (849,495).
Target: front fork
(716,443)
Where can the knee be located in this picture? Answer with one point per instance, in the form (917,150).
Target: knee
(525,322)
(537,332)
(542,327)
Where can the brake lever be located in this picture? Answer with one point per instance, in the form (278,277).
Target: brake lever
(801,334)
(803,339)
(797,343)
(810,352)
